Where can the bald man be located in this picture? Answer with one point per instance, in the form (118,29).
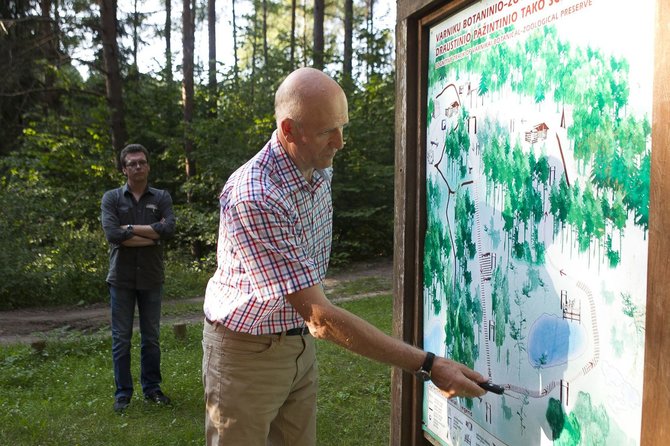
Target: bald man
(265,303)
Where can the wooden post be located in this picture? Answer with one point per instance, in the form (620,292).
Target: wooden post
(39,345)
(403,386)
(179,331)
(656,397)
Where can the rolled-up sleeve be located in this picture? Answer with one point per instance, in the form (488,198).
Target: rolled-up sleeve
(166,227)
(111,224)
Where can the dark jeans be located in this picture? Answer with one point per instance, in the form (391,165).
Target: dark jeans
(123,313)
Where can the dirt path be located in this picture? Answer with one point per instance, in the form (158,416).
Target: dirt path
(30,325)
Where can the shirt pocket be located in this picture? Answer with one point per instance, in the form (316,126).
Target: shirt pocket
(153,213)
(125,215)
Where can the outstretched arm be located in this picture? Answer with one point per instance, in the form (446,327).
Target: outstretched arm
(327,321)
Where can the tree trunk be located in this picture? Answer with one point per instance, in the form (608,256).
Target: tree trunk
(110,53)
(265,33)
(305,39)
(319,6)
(370,26)
(348,40)
(136,40)
(188,23)
(254,44)
(211,25)
(236,62)
(45,27)
(188,42)
(292,59)
(168,46)
(51,37)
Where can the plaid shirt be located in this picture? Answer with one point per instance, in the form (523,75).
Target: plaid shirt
(275,235)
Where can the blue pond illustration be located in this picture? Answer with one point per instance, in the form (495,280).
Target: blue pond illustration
(553,341)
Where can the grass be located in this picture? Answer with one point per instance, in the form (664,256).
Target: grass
(354,392)
(63,395)
(185,281)
(180,308)
(360,286)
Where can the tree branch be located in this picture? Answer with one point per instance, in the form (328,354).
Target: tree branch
(51,90)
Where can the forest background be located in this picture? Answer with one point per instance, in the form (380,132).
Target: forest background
(65,117)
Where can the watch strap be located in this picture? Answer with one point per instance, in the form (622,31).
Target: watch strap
(428,362)
(424,372)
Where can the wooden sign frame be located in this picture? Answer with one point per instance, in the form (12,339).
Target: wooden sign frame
(414,18)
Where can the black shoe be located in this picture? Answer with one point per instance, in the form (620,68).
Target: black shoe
(157,397)
(121,403)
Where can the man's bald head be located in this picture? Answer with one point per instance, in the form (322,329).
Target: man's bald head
(302,89)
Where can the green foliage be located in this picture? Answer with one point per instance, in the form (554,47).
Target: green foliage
(589,422)
(518,328)
(187,280)
(457,144)
(585,421)
(506,410)
(437,249)
(629,308)
(500,305)
(56,165)
(612,144)
(363,175)
(556,417)
(449,248)
(465,245)
(462,316)
(53,252)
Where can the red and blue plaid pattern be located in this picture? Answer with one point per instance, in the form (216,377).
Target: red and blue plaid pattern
(275,235)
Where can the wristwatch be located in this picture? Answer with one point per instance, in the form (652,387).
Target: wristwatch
(424,372)
(129,228)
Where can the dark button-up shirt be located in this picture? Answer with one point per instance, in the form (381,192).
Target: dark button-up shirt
(138,268)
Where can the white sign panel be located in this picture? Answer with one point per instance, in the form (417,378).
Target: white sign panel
(537,195)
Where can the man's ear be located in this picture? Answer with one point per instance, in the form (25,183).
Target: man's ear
(288,127)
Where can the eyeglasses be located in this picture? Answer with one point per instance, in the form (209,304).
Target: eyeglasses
(137,164)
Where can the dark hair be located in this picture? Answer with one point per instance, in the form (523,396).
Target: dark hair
(132,148)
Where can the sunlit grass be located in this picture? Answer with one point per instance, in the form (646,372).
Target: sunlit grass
(354,392)
(360,286)
(63,395)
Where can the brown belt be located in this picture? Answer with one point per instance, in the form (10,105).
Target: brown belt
(291,332)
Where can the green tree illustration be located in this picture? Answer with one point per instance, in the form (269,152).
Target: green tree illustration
(555,417)
(437,274)
(500,305)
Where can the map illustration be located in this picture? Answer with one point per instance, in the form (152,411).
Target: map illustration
(538,144)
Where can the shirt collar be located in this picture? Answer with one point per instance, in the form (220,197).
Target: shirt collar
(126,190)
(289,172)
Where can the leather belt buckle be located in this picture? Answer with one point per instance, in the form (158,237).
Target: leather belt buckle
(297,331)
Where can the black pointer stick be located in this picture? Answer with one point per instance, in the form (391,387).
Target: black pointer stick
(490,387)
